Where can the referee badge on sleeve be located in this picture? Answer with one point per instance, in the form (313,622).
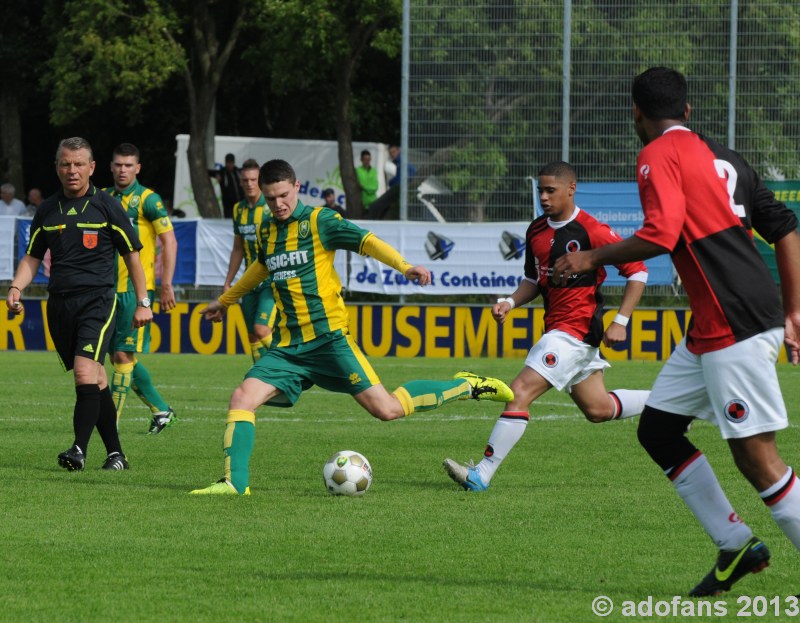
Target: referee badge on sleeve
(90,239)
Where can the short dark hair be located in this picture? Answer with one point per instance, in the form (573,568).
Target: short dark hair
(328,191)
(276,171)
(365,152)
(230,158)
(126,149)
(250,163)
(559,168)
(660,93)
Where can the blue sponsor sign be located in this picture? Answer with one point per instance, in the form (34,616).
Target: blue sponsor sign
(617,204)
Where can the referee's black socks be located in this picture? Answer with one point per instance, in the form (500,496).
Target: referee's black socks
(87,410)
(107,422)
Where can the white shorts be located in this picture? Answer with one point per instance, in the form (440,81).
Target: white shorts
(564,360)
(735,388)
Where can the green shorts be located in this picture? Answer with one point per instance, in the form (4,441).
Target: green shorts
(258,307)
(333,361)
(125,338)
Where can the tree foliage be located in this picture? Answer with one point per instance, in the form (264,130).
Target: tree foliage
(109,50)
(320,45)
(486,89)
(125,51)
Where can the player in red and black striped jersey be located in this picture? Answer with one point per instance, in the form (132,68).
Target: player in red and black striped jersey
(701,202)
(567,356)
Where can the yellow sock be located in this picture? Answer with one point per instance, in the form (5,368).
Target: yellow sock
(120,384)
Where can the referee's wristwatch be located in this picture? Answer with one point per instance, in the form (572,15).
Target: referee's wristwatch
(145,302)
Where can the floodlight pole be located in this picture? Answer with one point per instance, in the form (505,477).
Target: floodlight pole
(566,71)
(734,26)
(404,72)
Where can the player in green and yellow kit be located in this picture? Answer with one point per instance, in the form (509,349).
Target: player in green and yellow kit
(150,220)
(258,305)
(311,343)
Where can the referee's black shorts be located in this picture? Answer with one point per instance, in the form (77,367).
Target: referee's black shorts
(82,324)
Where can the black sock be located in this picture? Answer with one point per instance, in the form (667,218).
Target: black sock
(107,422)
(87,410)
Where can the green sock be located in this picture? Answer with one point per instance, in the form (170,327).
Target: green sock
(429,395)
(120,384)
(143,386)
(237,446)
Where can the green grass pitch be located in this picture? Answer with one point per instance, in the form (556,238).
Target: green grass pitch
(576,511)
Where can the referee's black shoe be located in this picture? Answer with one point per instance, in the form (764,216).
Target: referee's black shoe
(731,566)
(116,460)
(72,459)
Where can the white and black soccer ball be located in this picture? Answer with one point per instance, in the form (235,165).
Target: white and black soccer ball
(347,473)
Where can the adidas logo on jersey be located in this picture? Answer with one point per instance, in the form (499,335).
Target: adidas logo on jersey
(88,348)
(72,212)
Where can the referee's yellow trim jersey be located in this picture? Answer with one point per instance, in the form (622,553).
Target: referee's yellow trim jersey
(149,218)
(298,254)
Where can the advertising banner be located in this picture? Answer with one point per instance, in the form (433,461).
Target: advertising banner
(381,330)
(315,162)
(7,231)
(185,265)
(464,258)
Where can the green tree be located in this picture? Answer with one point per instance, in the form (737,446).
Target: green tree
(122,50)
(319,46)
(486,89)
(22,53)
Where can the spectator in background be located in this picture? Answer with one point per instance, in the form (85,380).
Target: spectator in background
(34,199)
(387,206)
(397,159)
(367,179)
(10,205)
(329,197)
(228,178)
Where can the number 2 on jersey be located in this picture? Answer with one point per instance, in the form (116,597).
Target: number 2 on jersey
(727,172)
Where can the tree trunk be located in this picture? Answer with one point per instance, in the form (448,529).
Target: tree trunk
(202,188)
(202,83)
(11,140)
(344,136)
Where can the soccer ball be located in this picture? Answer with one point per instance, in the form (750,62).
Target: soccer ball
(347,473)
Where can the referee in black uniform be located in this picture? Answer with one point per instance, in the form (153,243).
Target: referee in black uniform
(83,227)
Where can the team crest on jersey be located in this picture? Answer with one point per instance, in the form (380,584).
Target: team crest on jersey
(573,246)
(644,170)
(550,360)
(489,451)
(90,239)
(737,411)
(303,229)
(135,201)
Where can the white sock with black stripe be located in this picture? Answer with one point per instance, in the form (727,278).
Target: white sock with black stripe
(628,402)
(507,431)
(783,500)
(697,484)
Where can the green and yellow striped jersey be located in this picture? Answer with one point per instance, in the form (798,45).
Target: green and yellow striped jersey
(246,223)
(149,218)
(298,254)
